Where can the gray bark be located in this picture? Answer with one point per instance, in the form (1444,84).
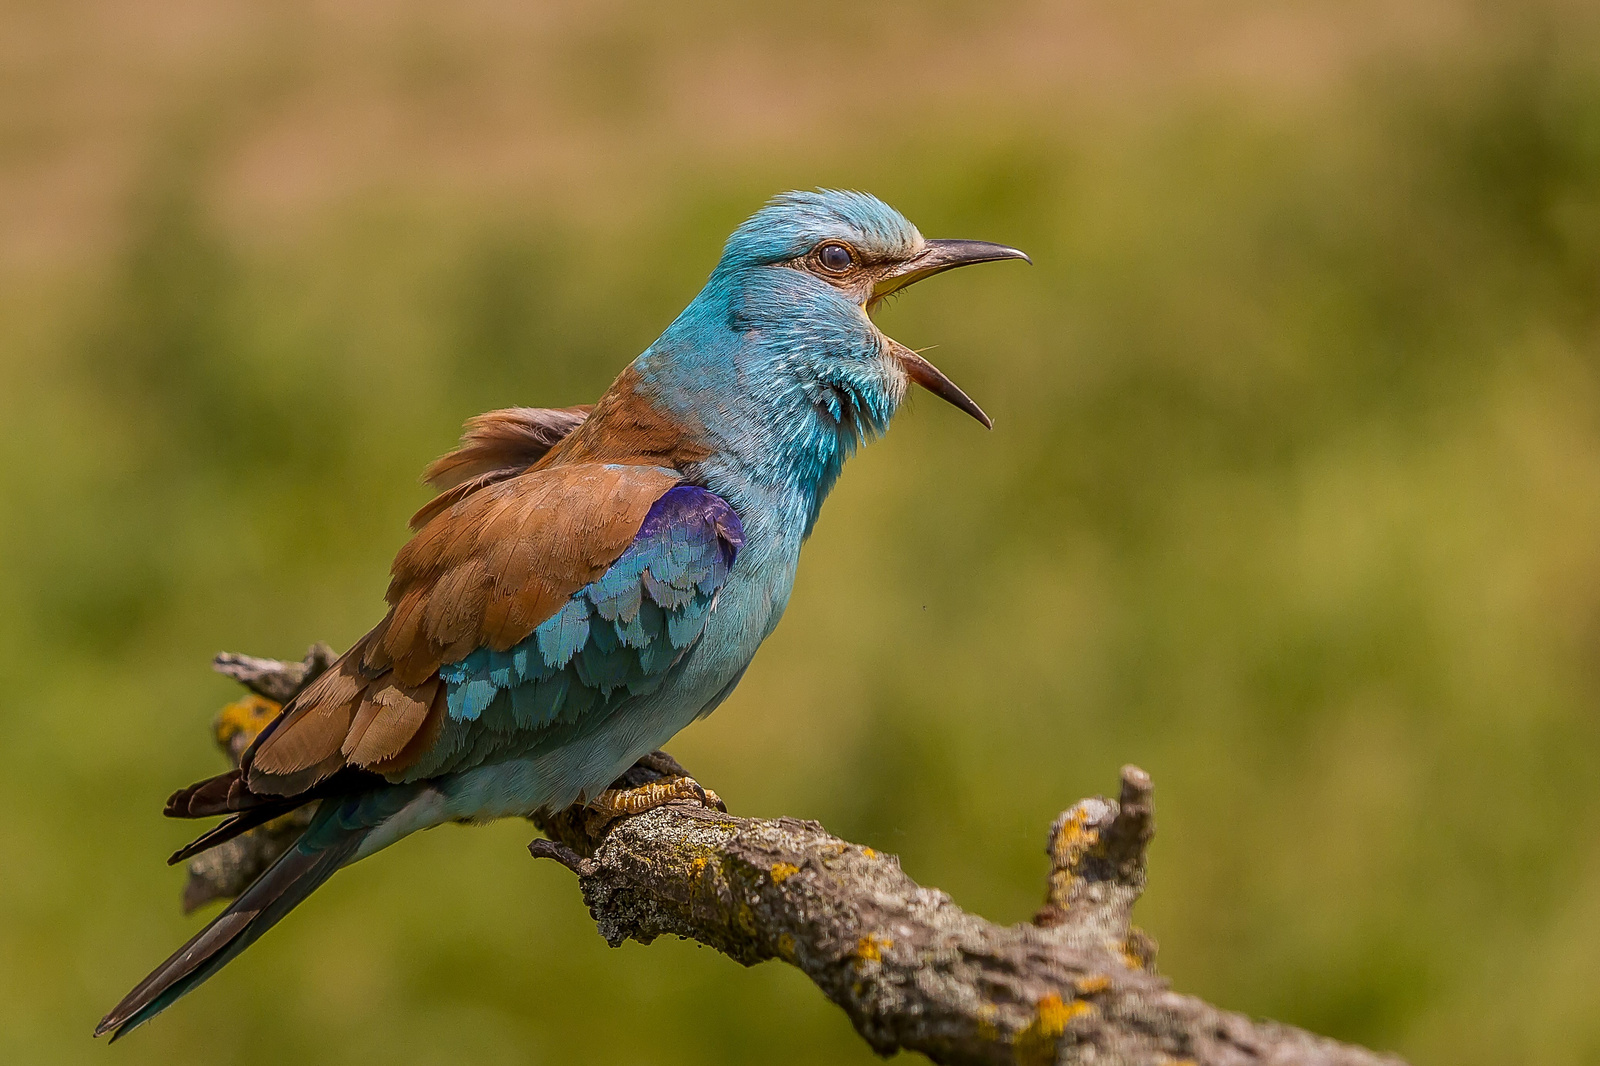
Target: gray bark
(911,969)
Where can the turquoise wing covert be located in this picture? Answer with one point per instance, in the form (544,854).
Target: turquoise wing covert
(615,638)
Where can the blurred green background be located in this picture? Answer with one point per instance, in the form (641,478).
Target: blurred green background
(1293,496)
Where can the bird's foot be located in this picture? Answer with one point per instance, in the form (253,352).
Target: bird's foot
(665,781)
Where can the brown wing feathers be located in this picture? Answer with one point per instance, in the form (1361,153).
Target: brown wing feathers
(486,571)
(497,552)
(346,718)
(420,741)
(496,564)
(302,746)
(499,441)
(495,446)
(389,717)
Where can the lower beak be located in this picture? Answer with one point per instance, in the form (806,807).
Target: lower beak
(932,378)
(936,258)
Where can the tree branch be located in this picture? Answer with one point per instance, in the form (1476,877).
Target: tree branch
(911,969)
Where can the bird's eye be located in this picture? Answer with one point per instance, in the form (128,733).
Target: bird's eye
(835,257)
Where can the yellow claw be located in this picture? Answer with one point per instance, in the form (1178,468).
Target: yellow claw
(616,803)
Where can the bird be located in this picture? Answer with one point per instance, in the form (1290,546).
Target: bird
(588,580)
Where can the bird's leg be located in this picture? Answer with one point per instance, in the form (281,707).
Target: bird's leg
(654,780)
(663,764)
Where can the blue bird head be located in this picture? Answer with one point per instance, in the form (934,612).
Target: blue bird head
(824,261)
(778,359)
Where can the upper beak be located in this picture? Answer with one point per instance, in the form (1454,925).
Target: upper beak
(936,258)
(939,256)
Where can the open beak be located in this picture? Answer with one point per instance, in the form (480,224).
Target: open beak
(936,258)
(932,378)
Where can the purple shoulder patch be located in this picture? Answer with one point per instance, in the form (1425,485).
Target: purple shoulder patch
(688,505)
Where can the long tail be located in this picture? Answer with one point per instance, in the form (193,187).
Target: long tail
(228,794)
(331,841)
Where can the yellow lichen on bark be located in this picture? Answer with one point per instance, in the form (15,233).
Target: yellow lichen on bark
(1096,982)
(1036,1045)
(871,947)
(987,1030)
(243,719)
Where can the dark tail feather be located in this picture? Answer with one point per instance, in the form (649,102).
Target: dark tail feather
(242,822)
(272,895)
(215,796)
(230,794)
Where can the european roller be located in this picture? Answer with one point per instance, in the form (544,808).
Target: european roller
(589,580)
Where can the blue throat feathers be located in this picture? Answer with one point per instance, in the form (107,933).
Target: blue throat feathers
(788,375)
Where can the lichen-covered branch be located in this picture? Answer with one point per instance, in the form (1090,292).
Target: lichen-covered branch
(911,969)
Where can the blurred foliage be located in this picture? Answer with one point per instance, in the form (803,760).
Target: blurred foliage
(1293,496)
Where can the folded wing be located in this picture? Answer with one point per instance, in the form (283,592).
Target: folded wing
(483,573)
(519,610)
(614,639)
